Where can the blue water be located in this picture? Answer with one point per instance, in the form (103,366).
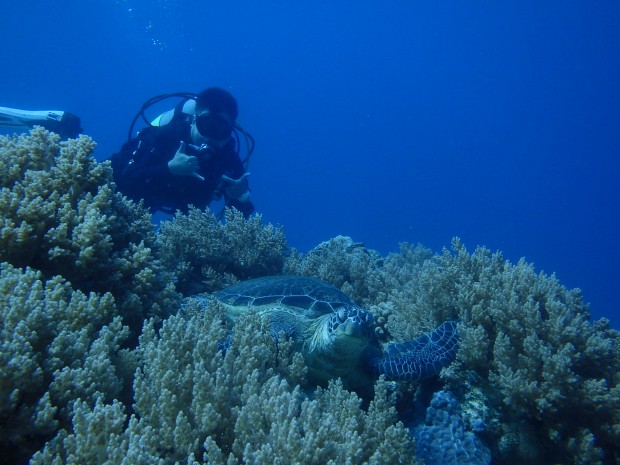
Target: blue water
(389,121)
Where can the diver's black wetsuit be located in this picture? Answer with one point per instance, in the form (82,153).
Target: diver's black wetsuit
(141,170)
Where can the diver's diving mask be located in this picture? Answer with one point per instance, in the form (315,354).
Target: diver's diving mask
(213,126)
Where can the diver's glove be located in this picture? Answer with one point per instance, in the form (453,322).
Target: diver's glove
(184,165)
(237,189)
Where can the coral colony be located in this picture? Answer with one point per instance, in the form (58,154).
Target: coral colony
(103,362)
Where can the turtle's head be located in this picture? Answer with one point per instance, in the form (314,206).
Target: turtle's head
(336,343)
(348,329)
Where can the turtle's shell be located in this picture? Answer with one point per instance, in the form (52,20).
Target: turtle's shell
(332,332)
(311,296)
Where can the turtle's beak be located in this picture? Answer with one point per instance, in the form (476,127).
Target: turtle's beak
(350,328)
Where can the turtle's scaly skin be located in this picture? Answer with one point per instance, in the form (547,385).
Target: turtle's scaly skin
(334,334)
(421,358)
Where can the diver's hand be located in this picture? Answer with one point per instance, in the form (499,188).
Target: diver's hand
(184,165)
(237,189)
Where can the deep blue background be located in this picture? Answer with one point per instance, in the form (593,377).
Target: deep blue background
(389,121)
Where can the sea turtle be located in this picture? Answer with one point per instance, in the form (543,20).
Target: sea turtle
(334,334)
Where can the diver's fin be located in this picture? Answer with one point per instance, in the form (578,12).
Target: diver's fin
(66,124)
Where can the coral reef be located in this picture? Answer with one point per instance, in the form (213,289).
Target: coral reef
(344,263)
(59,214)
(195,404)
(77,272)
(206,255)
(56,345)
(82,269)
(529,339)
(527,343)
(444,439)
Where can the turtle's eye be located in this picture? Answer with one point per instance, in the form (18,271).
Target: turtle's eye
(342,315)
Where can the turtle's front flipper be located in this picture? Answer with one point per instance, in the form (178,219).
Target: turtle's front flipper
(421,358)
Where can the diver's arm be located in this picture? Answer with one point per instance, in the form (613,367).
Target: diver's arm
(66,124)
(235,187)
(184,165)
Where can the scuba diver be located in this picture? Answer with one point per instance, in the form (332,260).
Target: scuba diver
(63,123)
(187,156)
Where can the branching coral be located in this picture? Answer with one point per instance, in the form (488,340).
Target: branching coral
(527,350)
(195,404)
(76,268)
(59,214)
(346,264)
(56,345)
(80,264)
(528,340)
(207,255)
